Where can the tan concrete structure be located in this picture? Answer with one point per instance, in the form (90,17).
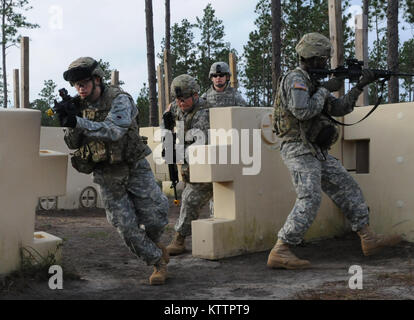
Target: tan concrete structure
(249,209)
(388,185)
(80,187)
(25,174)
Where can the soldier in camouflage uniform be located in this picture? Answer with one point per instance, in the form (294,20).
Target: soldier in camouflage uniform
(220,94)
(105,133)
(193,111)
(307,133)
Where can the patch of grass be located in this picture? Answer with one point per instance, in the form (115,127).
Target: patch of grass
(34,267)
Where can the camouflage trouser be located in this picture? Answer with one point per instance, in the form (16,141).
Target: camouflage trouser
(133,199)
(194,197)
(310,177)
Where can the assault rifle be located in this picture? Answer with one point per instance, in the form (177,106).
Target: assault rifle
(68,105)
(352,70)
(172,167)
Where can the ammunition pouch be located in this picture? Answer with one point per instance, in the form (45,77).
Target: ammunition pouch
(322,132)
(81,160)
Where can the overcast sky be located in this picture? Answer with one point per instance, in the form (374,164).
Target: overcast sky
(114,31)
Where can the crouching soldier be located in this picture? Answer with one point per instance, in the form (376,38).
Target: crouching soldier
(194,114)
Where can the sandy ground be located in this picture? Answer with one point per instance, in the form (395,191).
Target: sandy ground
(97,265)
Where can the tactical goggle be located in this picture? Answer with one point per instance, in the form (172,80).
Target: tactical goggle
(79,73)
(215,75)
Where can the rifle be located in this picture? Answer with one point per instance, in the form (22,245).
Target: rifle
(68,104)
(352,70)
(172,167)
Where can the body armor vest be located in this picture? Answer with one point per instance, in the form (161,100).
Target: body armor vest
(226,98)
(319,130)
(130,148)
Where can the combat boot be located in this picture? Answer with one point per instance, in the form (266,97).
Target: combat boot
(372,243)
(281,257)
(165,254)
(176,246)
(160,273)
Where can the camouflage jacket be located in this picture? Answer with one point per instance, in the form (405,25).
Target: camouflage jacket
(229,97)
(300,100)
(194,122)
(110,121)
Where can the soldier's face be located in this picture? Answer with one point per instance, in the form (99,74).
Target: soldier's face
(84,87)
(219,81)
(186,104)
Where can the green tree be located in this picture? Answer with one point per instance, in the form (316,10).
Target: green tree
(106,68)
(183,49)
(211,47)
(298,18)
(45,102)
(301,17)
(257,72)
(11,21)
(143,106)
(406,64)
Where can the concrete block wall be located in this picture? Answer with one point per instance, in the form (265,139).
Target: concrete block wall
(26,173)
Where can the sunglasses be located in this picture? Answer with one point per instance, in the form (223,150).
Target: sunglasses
(182,98)
(215,75)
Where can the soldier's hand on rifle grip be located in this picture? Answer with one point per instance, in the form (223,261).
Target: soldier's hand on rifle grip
(367,77)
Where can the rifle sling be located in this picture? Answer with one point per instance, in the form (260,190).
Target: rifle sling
(366,116)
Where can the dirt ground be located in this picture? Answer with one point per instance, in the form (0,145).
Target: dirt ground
(97,265)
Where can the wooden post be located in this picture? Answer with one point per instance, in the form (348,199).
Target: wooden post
(115,78)
(336,36)
(16,88)
(361,50)
(233,70)
(161,93)
(337,59)
(167,77)
(24,42)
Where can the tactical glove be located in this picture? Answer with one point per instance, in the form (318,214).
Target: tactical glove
(333,84)
(367,77)
(68,121)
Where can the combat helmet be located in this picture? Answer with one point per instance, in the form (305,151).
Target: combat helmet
(184,86)
(83,68)
(314,45)
(219,67)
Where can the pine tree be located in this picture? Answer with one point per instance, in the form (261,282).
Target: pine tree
(106,68)
(257,72)
(183,49)
(406,64)
(143,106)
(211,47)
(47,96)
(11,21)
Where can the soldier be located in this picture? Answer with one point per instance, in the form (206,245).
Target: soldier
(194,113)
(220,94)
(306,134)
(106,136)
